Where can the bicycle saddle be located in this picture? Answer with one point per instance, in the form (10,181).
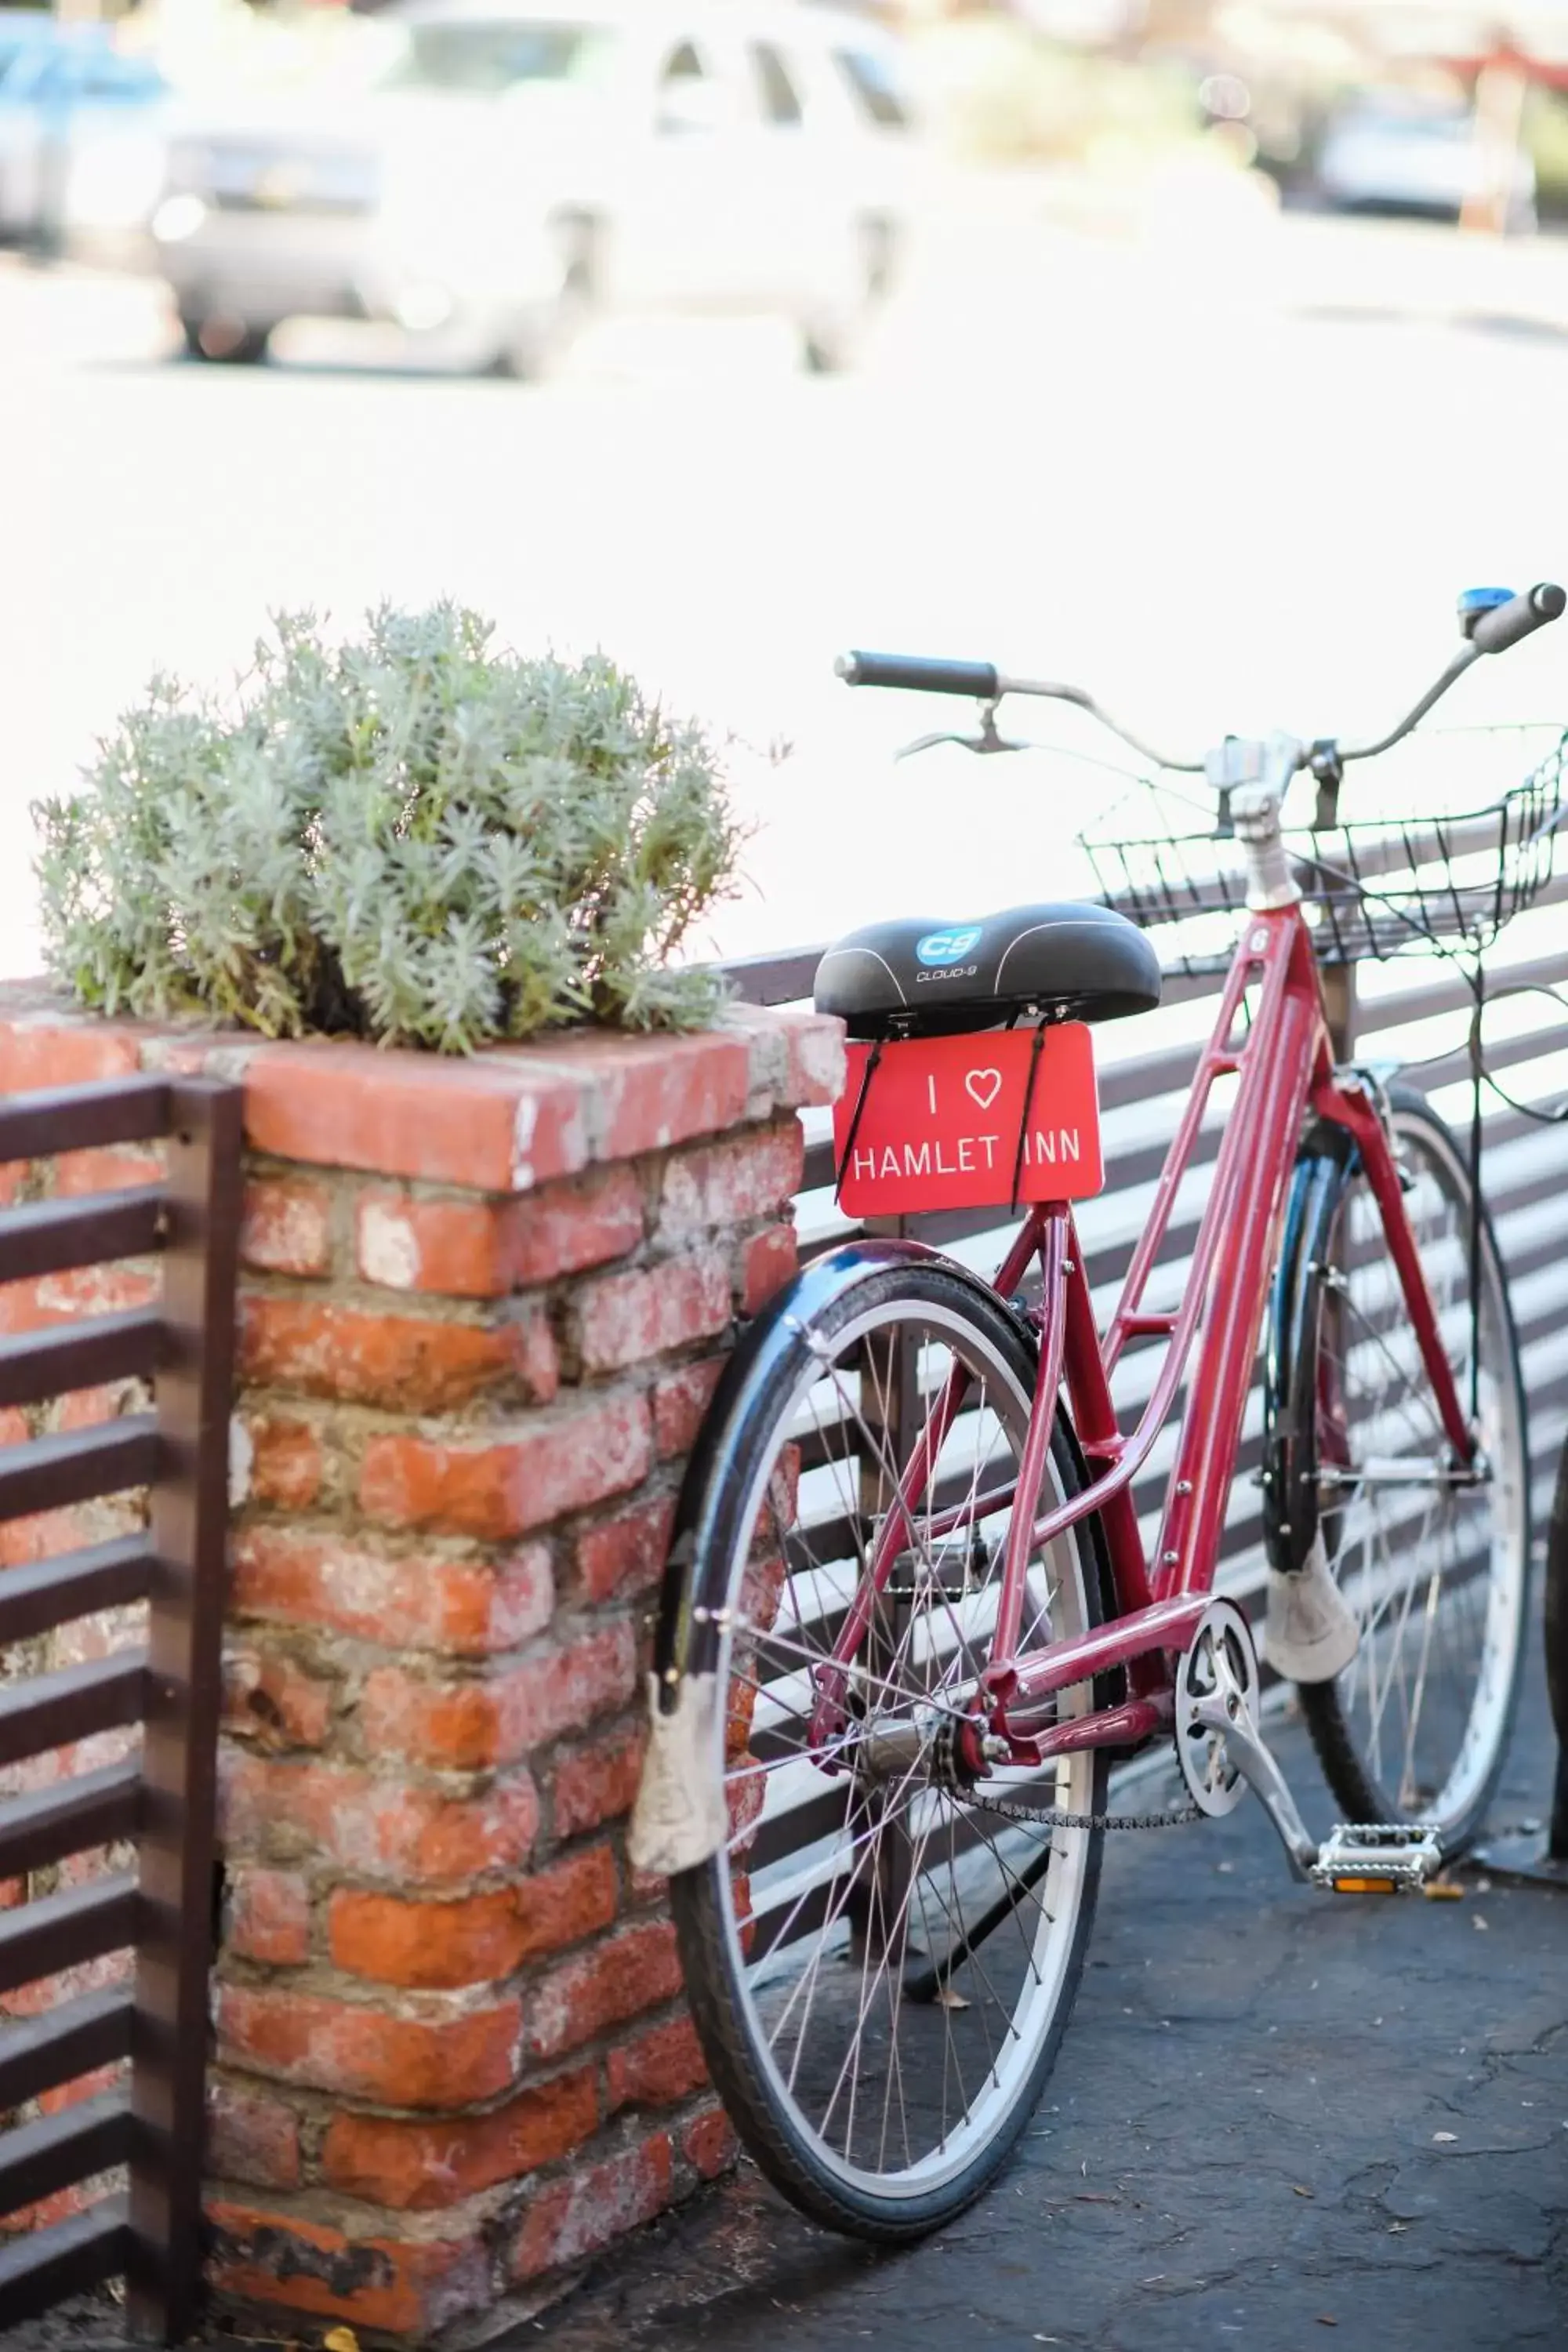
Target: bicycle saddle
(915,978)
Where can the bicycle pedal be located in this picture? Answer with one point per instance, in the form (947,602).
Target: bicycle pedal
(1377,1858)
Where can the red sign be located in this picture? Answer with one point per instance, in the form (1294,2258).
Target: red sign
(941,1118)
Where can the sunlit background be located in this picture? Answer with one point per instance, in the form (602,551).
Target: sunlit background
(1199,352)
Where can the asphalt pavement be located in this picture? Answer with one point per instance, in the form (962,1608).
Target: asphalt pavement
(1280,2119)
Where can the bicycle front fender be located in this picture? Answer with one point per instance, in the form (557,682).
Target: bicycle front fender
(1324,1165)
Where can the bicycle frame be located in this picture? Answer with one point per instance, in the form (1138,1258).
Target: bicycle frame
(1284,1064)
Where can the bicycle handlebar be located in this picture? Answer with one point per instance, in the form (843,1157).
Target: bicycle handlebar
(989,684)
(1492,632)
(920,676)
(1505,624)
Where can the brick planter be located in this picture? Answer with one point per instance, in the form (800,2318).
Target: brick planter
(482,1310)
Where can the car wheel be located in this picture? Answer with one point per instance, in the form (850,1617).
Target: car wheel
(221,340)
(831,342)
(540,342)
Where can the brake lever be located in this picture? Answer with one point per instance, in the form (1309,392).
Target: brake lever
(988,739)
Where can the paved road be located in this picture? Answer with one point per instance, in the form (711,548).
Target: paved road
(1278,2119)
(1231,471)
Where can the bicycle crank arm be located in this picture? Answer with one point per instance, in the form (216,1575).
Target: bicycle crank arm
(1221,1749)
(1244,1750)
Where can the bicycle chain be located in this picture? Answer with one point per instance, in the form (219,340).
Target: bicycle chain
(1054,1817)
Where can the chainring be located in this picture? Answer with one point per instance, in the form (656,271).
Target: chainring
(1217,1682)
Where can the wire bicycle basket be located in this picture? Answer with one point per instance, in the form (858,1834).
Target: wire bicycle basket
(1373,888)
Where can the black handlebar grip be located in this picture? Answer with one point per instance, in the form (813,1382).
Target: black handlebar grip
(919,675)
(1505,624)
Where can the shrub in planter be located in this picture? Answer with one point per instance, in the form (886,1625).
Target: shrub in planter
(410,837)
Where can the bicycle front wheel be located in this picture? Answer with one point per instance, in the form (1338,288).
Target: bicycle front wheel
(880,1969)
(1436,1570)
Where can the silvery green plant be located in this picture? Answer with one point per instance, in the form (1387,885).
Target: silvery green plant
(410,835)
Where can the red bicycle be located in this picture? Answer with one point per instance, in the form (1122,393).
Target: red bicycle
(910,1621)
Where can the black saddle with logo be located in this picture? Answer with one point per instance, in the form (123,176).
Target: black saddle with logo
(932,978)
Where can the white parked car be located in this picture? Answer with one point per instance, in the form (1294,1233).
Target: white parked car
(1388,152)
(506,172)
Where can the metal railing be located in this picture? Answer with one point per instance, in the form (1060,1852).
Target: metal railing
(154,1809)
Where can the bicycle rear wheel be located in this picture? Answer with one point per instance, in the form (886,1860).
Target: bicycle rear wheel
(881,1971)
(1417,1725)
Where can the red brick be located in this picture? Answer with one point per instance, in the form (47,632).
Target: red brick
(269,1917)
(650,1093)
(536,1362)
(730,1183)
(443,2061)
(577,2217)
(709,2143)
(81,1173)
(471,1726)
(410,2290)
(286,1466)
(625,1555)
(567,1227)
(405,1363)
(269,1697)
(376,1828)
(597,1783)
(251,2138)
(618,1978)
(482,1249)
(767,1261)
(657,2069)
(36,1050)
(679,1401)
(559,1462)
(460,1249)
(63,2097)
(625,1318)
(421,2166)
(287,1227)
(442,1945)
(36,1304)
(424,1944)
(500,1123)
(795,1057)
(562,1904)
(814,1045)
(423,1603)
(87,1408)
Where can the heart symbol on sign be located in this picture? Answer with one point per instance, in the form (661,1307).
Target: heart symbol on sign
(983,1087)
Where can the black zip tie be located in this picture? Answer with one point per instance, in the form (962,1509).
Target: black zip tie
(866,1075)
(1029,1105)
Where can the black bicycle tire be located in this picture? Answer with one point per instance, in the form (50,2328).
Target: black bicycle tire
(1343,1766)
(1555,1605)
(697,1901)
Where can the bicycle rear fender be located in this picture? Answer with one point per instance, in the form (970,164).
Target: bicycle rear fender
(686,1637)
(679,1822)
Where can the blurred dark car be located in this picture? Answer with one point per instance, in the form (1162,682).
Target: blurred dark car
(78,130)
